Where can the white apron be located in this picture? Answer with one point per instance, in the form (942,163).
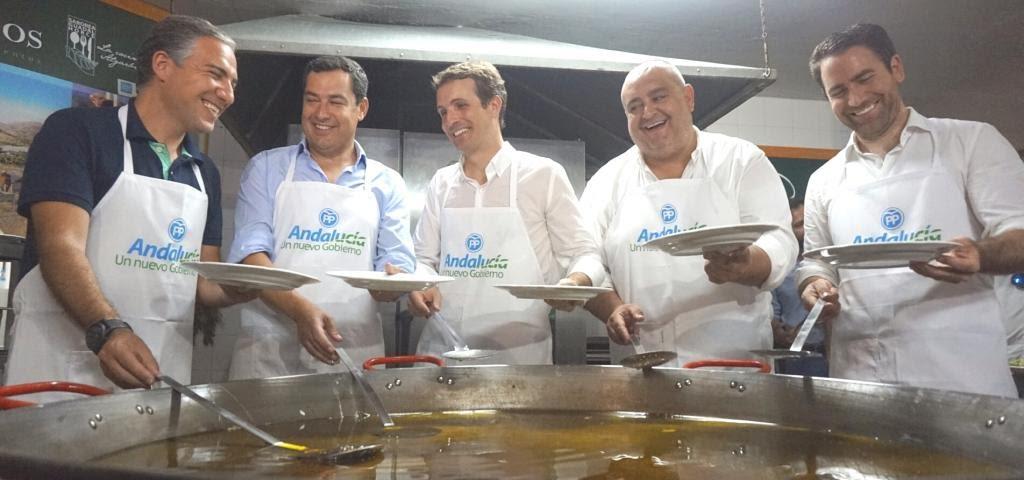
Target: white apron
(683,311)
(896,326)
(318,227)
(139,233)
(481,247)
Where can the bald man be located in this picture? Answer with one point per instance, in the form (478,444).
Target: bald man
(679,178)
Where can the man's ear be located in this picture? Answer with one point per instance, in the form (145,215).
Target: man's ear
(364,107)
(162,64)
(896,66)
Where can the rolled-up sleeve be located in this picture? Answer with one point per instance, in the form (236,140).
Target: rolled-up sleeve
(762,199)
(394,243)
(254,212)
(571,240)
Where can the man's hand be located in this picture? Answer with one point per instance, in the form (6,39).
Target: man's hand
(748,266)
(574,279)
(383,295)
(783,334)
(317,334)
(954,266)
(817,288)
(425,303)
(127,361)
(621,324)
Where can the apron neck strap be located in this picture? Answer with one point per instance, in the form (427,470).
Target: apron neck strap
(513,186)
(122,118)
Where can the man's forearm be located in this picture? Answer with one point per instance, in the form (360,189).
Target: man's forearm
(73,283)
(1002,254)
(286,302)
(603,305)
(61,231)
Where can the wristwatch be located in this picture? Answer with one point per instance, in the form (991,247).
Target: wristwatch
(98,333)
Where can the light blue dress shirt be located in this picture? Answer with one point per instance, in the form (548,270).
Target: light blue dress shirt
(254,213)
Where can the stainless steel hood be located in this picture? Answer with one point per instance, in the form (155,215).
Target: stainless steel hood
(556,90)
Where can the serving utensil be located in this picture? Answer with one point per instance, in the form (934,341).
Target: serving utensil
(460,351)
(796,349)
(341,455)
(368,390)
(643,359)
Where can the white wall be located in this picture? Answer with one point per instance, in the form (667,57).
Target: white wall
(783,122)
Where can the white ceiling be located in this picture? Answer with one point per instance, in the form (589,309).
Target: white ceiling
(965,59)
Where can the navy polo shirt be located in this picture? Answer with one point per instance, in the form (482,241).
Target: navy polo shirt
(78,154)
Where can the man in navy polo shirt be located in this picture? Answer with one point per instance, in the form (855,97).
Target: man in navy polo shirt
(116,199)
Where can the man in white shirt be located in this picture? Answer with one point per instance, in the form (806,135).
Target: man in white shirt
(903,175)
(498,216)
(679,178)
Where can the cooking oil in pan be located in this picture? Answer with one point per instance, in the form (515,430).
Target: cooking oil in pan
(490,444)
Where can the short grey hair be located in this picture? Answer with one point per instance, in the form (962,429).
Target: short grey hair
(177,36)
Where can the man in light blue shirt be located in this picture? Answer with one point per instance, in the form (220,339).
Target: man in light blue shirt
(313,207)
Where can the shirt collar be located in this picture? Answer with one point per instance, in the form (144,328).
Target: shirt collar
(696,157)
(360,157)
(135,130)
(915,123)
(497,165)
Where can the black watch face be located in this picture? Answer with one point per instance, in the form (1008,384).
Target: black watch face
(94,337)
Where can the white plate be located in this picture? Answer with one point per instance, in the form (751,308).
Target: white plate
(399,282)
(553,292)
(250,276)
(879,255)
(696,242)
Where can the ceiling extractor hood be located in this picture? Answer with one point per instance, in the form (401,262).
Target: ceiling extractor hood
(556,90)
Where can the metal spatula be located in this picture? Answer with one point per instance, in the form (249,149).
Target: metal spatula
(342,455)
(797,348)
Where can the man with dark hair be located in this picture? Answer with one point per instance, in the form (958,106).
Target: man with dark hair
(515,209)
(958,181)
(678,177)
(325,183)
(115,200)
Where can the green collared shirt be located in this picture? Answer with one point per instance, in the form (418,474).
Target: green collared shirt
(165,156)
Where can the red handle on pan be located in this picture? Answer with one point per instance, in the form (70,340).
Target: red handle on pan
(370,362)
(762,367)
(37,387)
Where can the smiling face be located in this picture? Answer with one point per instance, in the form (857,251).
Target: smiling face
(330,113)
(471,125)
(199,90)
(863,93)
(659,112)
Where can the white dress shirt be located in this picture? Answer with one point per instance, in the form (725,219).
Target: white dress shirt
(741,171)
(992,174)
(545,200)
